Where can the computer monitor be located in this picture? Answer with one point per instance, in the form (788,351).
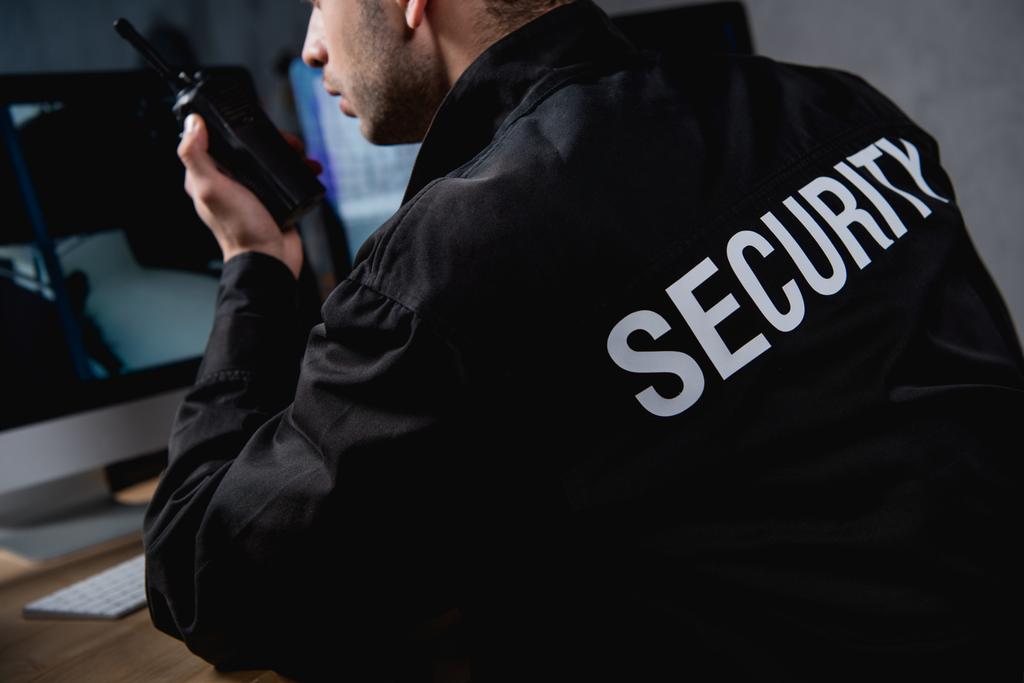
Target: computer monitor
(108,282)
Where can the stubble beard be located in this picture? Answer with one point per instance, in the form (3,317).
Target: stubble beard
(398,91)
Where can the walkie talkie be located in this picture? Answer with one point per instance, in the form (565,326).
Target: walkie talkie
(243,141)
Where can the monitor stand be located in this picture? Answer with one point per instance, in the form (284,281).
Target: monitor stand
(65,517)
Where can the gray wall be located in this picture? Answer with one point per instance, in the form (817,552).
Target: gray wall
(77,35)
(955,66)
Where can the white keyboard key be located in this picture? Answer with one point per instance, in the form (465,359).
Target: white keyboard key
(110,594)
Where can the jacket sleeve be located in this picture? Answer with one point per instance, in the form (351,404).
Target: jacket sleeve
(305,526)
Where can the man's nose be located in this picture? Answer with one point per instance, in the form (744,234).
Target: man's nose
(314,52)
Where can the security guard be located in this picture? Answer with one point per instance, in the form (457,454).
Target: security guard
(662,370)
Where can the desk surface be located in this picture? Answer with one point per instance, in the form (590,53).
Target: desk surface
(128,649)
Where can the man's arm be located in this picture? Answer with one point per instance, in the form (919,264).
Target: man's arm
(303,529)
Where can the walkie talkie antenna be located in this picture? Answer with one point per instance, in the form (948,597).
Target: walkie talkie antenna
(128,32)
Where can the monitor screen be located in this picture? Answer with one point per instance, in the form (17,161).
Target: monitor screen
(365,183)
(107,277)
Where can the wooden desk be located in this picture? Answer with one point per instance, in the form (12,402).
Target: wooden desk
(128,649)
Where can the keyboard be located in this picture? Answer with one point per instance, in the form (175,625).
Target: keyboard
(110,594)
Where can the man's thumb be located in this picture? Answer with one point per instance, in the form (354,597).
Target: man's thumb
(194,143)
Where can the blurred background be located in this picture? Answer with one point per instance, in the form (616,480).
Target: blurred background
(955,66)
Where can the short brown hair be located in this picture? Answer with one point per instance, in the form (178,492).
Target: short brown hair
(509,15)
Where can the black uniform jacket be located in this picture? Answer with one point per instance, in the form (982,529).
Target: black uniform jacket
(659,366)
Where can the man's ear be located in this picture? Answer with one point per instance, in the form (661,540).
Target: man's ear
(414,11)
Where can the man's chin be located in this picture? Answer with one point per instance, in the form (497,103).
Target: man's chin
(383,135)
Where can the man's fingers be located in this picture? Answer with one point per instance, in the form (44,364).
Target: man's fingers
(299,146)
(193,149)
(295,141)
(204,181)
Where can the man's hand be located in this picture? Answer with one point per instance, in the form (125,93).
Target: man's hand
(236,217)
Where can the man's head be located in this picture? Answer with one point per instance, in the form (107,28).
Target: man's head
(393,61)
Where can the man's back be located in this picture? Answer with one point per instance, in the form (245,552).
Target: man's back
(658,365)
(835,481)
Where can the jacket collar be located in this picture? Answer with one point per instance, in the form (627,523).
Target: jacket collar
(502,78)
